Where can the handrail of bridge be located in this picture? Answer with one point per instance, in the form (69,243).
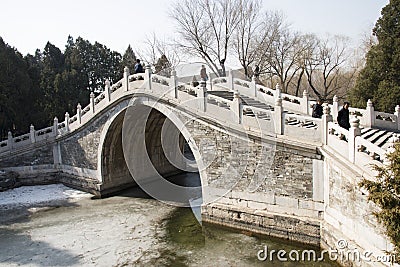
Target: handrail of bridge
(299,126)
(219,101)
(338,139)
(367,151)
(264,94)
(368,116)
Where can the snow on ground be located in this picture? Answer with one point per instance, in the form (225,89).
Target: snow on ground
(30,195)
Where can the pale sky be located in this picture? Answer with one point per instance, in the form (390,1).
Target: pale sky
(29,24)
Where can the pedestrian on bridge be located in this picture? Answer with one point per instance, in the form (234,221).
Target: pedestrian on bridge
(317,109)
(138,67)
(343,117)
(203,73)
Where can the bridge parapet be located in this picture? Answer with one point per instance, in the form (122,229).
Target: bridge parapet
(288,118)
(369,117)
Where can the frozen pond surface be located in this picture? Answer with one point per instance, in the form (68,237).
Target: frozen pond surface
(56,226)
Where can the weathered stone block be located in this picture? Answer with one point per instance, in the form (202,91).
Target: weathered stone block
(287,202)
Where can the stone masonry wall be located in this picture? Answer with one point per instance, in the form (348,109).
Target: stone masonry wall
(41,155)
(252,165)
(264,187)
(349,216)
(80,150)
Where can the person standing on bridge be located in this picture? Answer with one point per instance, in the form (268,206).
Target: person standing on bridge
(203,73)
(138,67)
(317,109)
(343,117)
(256,72)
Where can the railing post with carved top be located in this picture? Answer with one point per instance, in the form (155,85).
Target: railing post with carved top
(253,86)
(335,108)
(370,114)
(92,104)
(174,84)
(10,141)
(354,131)
(66,122)
(397,114)
(278,93)
(237,108)
(326,118)
(147,77)
(278,111)
(202,96)
(79,113)
(107,91)
(55,126)
(305,104)
(32,134)
(230,77)
(209,78)
(126,78)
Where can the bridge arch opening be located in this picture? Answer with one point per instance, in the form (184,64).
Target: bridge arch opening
(143,147)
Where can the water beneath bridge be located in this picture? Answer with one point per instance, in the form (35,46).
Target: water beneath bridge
(131,229)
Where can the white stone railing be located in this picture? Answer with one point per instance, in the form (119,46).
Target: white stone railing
(44,134)
(337,139)
(69,124)
(258,119)
(352,146)
(386,121)
(368,117)
(26,139)
(159,79)
(367,152)
(265,94)
(300,125)
(219,101)
(218,80)
(347,143)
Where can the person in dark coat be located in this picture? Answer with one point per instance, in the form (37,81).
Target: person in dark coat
(138,68)
(317,109)
(257,72)
(343,117)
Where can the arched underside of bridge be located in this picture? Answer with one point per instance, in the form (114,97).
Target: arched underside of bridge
(142,146)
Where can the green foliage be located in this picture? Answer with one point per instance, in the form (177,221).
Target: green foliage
(128,60)
(18,92)
(36,88)
(380,78)
(385,192)
(163,66)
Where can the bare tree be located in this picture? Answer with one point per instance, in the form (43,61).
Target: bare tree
(255,35)
(206,28)
(283,56)
(245,43)
(325,67)
(308,42)
(157,52)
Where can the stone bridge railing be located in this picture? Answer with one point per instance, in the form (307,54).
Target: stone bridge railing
(288,117)
(303,105)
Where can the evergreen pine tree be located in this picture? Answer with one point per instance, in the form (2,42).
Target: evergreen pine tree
(380,78)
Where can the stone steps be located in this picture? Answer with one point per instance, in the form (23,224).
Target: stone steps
(377,136)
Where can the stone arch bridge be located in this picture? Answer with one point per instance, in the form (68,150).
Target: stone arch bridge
(265,164)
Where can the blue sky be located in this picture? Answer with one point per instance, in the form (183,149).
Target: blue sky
(28,25)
